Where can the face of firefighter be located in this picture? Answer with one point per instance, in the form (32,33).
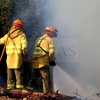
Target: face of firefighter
(52,34)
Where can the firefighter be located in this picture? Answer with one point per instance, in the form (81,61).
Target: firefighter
(41,63)
(16,46)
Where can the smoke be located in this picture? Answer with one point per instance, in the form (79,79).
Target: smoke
(77,46)
(78,23)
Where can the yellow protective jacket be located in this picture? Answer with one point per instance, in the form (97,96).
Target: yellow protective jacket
(43,59)
(16,44)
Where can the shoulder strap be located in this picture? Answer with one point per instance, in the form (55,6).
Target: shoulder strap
(41,47)
(41,41)
(15,36)
(5,45)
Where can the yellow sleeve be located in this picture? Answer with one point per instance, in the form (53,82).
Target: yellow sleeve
(51,48)
(24,44)
(3,39)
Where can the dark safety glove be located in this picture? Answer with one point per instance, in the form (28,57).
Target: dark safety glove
(25,56)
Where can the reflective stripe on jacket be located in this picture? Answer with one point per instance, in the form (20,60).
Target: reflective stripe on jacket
(15,46)
(43,59)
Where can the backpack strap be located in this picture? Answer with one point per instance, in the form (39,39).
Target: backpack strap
(41,47)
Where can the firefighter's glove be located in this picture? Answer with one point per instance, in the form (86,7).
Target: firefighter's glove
(25,56)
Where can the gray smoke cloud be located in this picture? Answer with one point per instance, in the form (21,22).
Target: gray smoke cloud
(77,46)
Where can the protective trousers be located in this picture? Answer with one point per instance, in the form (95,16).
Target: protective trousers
(45,74)
(15,78)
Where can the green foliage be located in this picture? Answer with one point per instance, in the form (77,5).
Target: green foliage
(5,13)
(3,1)
(30,11)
